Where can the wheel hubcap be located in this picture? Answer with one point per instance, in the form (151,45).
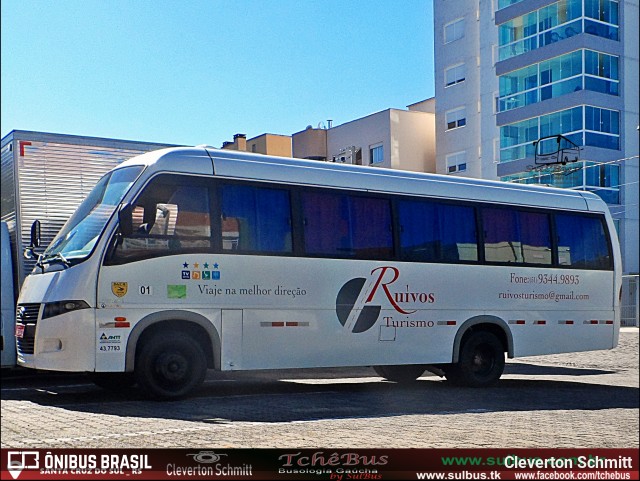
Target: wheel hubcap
(172,366)
(482,360)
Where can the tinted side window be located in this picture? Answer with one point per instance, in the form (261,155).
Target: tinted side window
(256,219)
(582,242)
(341,225)
(516,237)
(432,232)
(535,237)
(501,240)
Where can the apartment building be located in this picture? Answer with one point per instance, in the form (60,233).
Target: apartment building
(267,144)
(509,72)
(391,138)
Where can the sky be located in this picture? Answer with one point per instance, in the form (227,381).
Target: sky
(197,72)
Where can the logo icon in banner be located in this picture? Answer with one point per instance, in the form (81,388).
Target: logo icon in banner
(17,461)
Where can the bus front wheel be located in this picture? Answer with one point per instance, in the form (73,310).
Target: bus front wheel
(400,374)
(481,361)
(170,365)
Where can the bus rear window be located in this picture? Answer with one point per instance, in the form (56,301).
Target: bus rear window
(582,242)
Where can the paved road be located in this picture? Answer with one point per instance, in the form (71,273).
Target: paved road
(570,400)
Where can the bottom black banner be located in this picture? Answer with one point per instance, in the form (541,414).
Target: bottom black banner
(320,464)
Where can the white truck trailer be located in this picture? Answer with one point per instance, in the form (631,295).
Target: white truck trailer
(45,176)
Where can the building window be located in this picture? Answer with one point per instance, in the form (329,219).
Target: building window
(579,70)
(454,75)
(456,118)
(604,180)
(601,179)
(517,36)
(456,162)
(556,22)
(602,10)
(582,125)
(601,72)
(505,3)
(516,140)
(602,128)
(376,154)
(454,30)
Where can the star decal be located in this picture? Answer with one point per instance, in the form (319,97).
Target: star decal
(185,265)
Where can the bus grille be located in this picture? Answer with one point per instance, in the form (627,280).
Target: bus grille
(27,315)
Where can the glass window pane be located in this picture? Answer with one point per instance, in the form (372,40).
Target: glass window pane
(454,31)
(170,216)
(458,238)
(515,236)
(192,211)
(535,237)
(371,228)
(376,154)
(340,225)
(591,62)
(418,231)
(255,219)
(501,239)
(433,232)
(601,140)
(582,242)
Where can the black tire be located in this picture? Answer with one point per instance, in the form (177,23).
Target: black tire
(403,374)
(481,361)
(170,365)
(113,381)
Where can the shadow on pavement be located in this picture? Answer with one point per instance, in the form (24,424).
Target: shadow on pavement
(286,396)
(536,370)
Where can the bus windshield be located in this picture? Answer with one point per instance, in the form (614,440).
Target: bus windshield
(78,236)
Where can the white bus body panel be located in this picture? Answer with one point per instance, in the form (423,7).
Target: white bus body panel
(281,312)
(65,342)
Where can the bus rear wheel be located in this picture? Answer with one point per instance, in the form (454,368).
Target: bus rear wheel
(400,374)
(170,365)
(481,361)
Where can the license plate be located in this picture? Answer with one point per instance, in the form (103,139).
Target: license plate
(19,331)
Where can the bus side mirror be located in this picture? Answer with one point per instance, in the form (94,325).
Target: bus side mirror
(125,218)
(34,240)
(35,234)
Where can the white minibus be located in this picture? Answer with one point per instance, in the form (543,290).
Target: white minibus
(187,259)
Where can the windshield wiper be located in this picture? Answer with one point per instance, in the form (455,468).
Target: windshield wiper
(39,262)
(54,259)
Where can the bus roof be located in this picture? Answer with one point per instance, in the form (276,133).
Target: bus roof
(205,160)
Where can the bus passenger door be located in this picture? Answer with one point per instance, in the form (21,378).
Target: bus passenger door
(231,340)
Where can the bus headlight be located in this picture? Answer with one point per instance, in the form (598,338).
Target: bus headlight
(62,307)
